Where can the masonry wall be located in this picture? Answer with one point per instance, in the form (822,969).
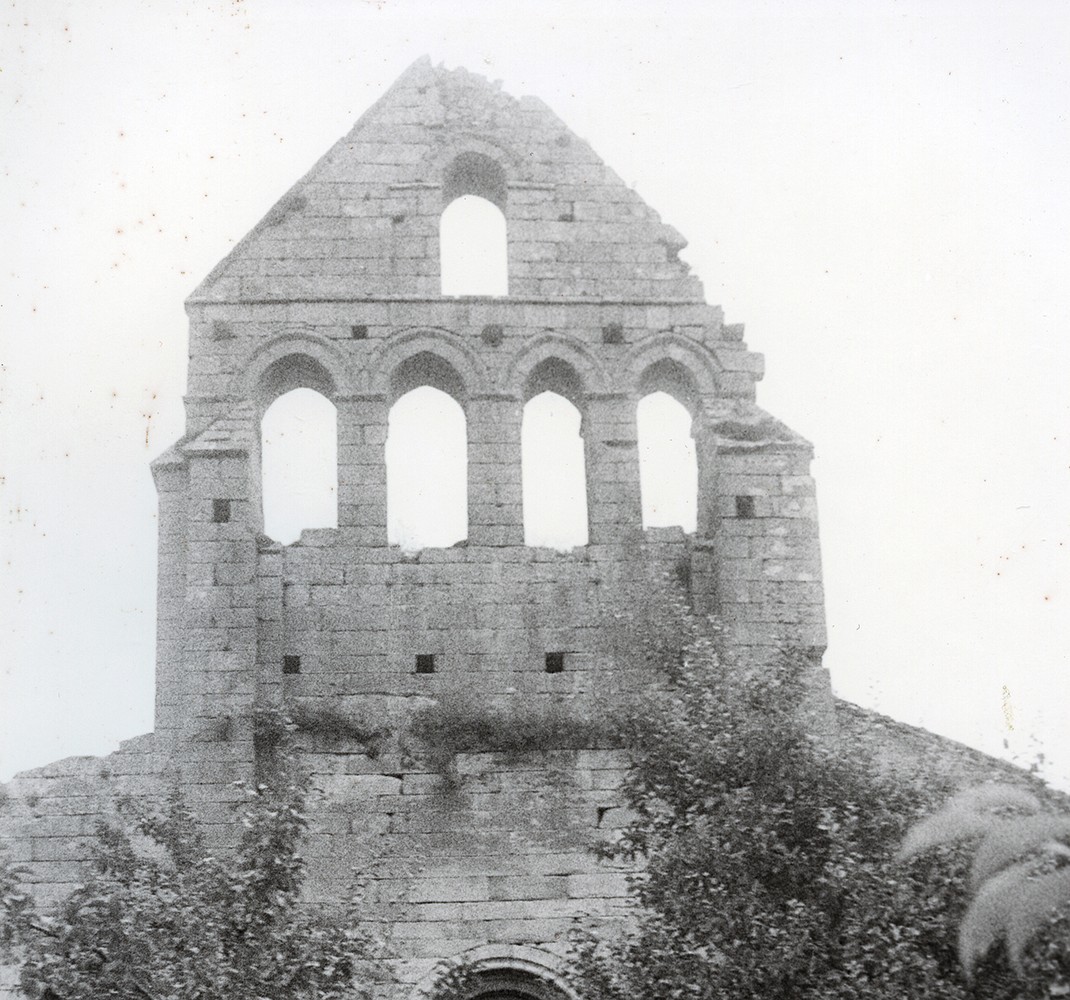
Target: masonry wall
(503,858)
(338,290)
(488,616)
(49,815)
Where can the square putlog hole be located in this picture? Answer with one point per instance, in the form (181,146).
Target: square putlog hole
(220,511)
(291,664)
(555,663)
(613,333)
(359,331)
(425,663)
(492,334)
(745,507)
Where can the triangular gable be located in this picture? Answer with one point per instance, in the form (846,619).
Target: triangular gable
(363,223)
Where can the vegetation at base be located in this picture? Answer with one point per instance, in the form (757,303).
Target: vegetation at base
(455,980)
(769,852)
(163,916)
(456,725)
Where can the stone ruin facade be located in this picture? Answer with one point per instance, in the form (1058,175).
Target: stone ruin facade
(338,290)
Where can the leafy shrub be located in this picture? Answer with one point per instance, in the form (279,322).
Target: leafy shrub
(457,725)
(332,724)
(768,852)
(164,917)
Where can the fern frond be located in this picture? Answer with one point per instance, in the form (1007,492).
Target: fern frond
(947,826)
(985,921)
(1008,840)
(1032,906)
(985,798)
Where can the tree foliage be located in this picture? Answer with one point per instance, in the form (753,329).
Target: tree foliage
(769,851)
(1019,881)
(164,917)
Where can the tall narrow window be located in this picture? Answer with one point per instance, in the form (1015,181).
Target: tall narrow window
(553,473)
(473,246)
(668,470)
(426,471)
(299,464)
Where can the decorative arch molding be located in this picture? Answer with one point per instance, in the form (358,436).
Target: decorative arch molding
(537,963)
(699,363)
(556,347)
(444,345)
(510,161)
(332,371)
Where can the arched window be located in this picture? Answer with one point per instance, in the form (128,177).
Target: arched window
(472,231)
(553,470)
(668,469)
(299,464)
(426,471)
(474,248)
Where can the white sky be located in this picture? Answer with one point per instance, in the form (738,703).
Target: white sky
(881,191)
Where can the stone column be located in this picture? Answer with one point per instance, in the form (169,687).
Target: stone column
(611,448)
(362,426)
(495,504)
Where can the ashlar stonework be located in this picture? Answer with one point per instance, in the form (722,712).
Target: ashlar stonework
(337,289)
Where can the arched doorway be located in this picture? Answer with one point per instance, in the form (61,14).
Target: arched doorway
(511,984)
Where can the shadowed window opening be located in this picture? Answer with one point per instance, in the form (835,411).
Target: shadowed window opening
(473,247)
(745,507)
(299,464)
(291,664)
(668,468)
(553,471)
(425,663)
(426,471)
(220,511)
(555,663)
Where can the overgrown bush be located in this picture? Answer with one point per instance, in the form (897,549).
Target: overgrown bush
(332,724)
(162,916)
(456,725)
(768,853)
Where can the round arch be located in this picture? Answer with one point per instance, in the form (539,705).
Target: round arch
(504,972)
(672,378)
(294,362)
(510,984)
(427,368)
(470,144)
(683,359)
(557,376)
(563,349)
(476,174)
(392,365)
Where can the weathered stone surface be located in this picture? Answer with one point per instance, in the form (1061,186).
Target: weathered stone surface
(338,290)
